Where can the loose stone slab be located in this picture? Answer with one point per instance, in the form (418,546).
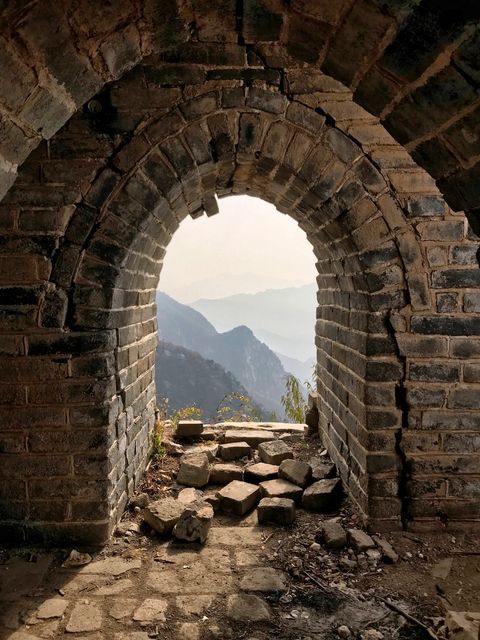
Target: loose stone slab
(210,450)
(274,452)
(84,617)
(324,495)
(119,586)
(322,470)
(295,471)
(188,631)
(225,473)
(194,523)
(389,555)
(163,515)
(333,534)
(194,470)
(281,489)
(122,608)
(52,608)
(260,472)
(193,606)
(265,580)
(186,496)
(234,451)
(111,566)
(252,437)
(189,429)
(360,540)
(247,608)
(276,511)
(195,579)
(151,610)
(239,497)
(275,427)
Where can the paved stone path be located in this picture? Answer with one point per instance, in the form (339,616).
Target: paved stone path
(173,591)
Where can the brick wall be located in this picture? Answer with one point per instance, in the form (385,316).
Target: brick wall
(84,232)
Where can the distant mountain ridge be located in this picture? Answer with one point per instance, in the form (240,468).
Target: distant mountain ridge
(255,366)
(283,318)
(187,379)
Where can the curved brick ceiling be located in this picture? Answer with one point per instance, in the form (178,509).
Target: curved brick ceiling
(414,64)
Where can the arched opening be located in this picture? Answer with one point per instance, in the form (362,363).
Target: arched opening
(237,289)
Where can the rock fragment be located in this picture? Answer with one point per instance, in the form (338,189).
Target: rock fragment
(360,540)
(274,452)
(189,429)
(186,496)
(194,470)
(247,608)
(194,523)
(281,489)
(52,608)
(234,450)
(295,471)
(323,496)
(163,515)
(276,511)
(333,534)
(239,497)
(389,555)
(260,472)
(322,470)
(265,580)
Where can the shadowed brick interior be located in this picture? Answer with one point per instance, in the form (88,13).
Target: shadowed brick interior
(164,111)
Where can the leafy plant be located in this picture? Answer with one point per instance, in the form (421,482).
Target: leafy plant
(158,429)
(186,413)
(236,407)
(293,402)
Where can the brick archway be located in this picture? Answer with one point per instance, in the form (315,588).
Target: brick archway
(93,215)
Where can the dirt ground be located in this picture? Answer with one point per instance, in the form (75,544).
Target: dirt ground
(324,589)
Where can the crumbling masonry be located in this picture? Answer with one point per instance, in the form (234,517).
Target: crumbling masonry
(360,119)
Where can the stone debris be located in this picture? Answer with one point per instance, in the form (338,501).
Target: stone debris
(247,608)
(322,470)
(214,500)
(162,515)
(295,471)
(359,540)
(276,511)
(194,523)
(141,500)
(127,528)
(323,496)
(234,451)
(52,608)
(239,497)
(281,489)
(265,580)
(389,555)
(274,452)
(225,473)
(172,448)
(189,429)
(210,450)
(84,617)
(372,634)
(76,559)
(333,534)
(151,610)
(186,496)
(344,632)
(194,470)
(463,625)
(260,472)
(252,437)
(188,631)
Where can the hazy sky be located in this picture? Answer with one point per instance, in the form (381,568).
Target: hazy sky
(248,247)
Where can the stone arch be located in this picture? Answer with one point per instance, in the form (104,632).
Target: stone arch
(378,226)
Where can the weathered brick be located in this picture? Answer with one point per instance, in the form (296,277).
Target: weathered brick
(446,325)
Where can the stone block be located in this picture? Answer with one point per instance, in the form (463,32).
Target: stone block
(234,450)
(280,489)
(194,471)
(239,497)
(360,540)
(260,472)
(225,473)
(276,511)
(324,495)
(253,437)
(194,523)
(210,451)
(264,580)
(274,452)
(321,470)
(189,429)
(186,496)
(296,471)
(163,515)
(333,534)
